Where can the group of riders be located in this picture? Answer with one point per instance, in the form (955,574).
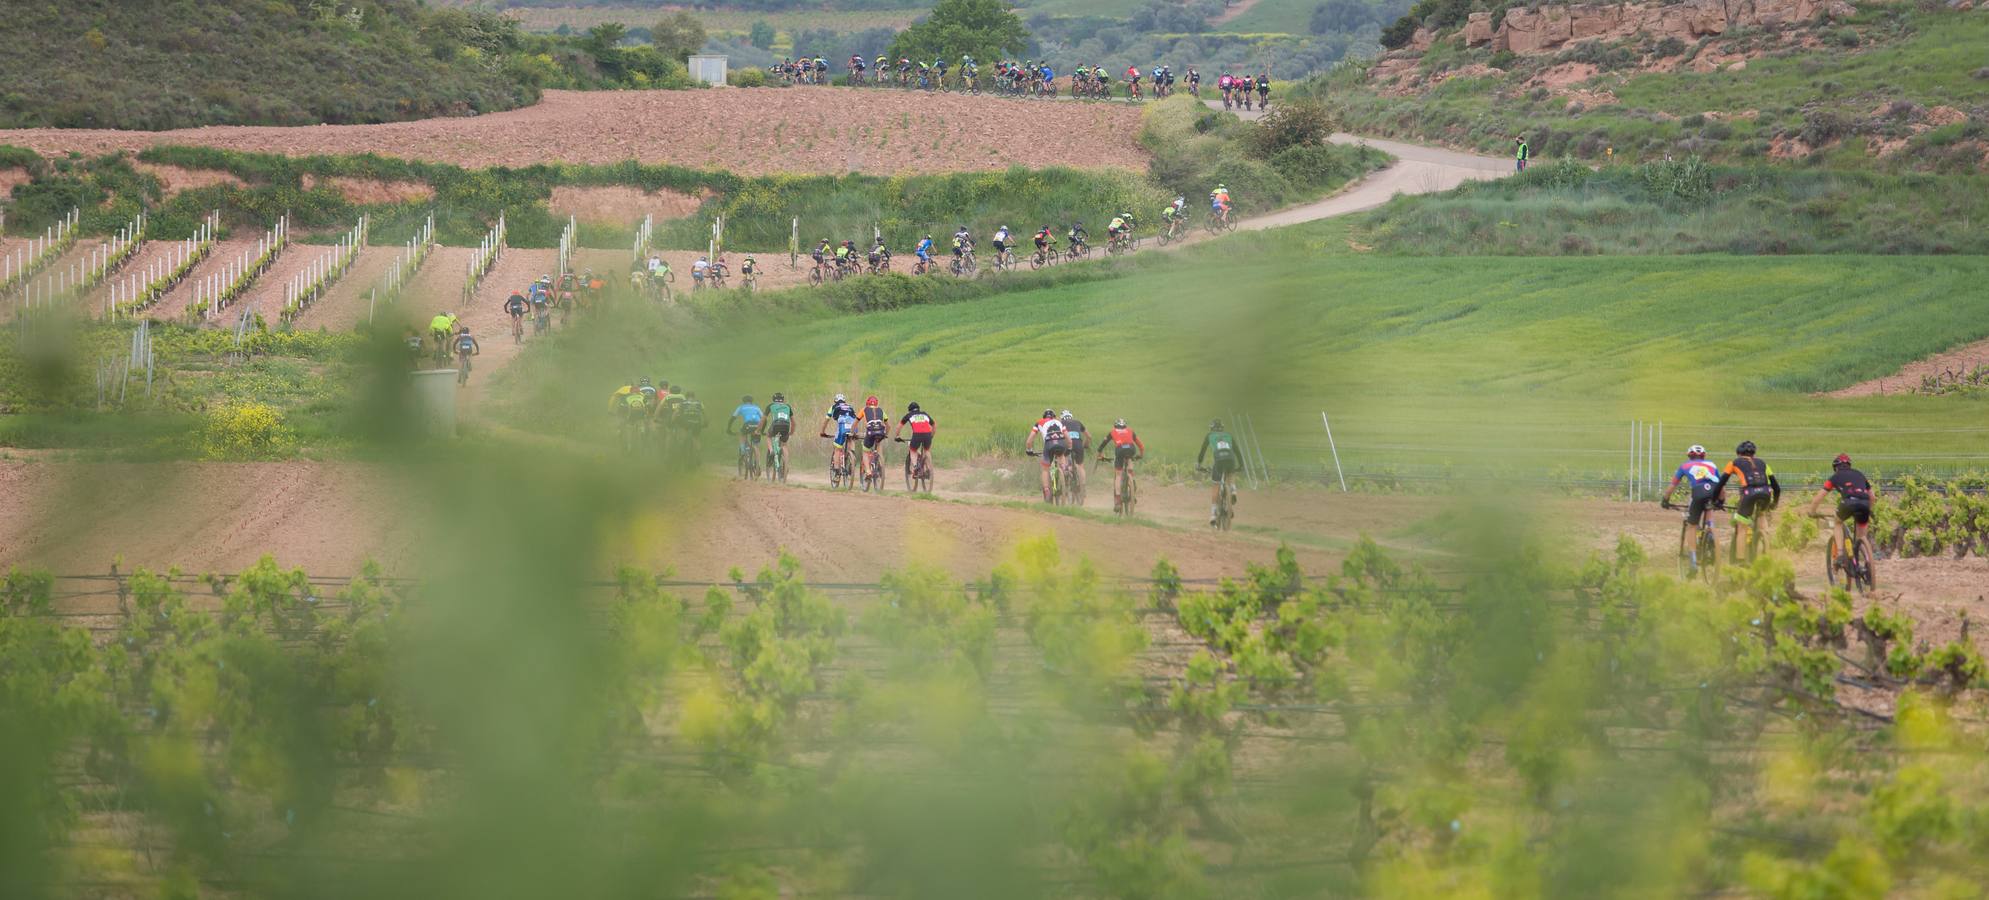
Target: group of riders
(448,335)
(653,276)
(836,261)
(1758,490)
(646,411)
(1027,78)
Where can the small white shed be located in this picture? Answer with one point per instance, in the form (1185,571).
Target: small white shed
(708,69)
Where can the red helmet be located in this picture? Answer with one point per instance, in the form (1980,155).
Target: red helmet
(1843,460)
(870,401)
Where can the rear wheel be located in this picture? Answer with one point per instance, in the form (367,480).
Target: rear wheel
(1864,565)
(1706,554)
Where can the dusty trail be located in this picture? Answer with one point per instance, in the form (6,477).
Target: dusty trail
(514,271)
(265,297)
(345,306)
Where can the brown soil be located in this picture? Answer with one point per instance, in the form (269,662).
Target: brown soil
(1232,11)
(346,304)
(173,306)
(372,192)
(1907,379)
(265,296)
(749,131)
(174,180)
(621,205)
(11,178)
(1565,75)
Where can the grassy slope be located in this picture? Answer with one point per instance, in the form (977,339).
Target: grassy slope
(105,63)
(1924,57)
(1287,16)
(1527,365)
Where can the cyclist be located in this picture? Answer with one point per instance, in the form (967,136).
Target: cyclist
(1704,480)
(542,303)
(1133,78)
(843,416)
(1222,447)
(963,243)
(698,270)
(1001,241)
(1854,494)
(1116,230)
(1126,447)
(1759,491)
(688,420)
(414,343)
(442,328)
(749,269)
(922,425)
(1263,90)
(779,423)
(856,66)
(515,307)
(1219,202)
(1194,82)
(876,428)
(1074,430)
(880,256)
(924,251)
(749,416)
(1049,78)
(1045,243)
(1170,216)
(466,347)
(1077,235)
(1056,442)
(821,254)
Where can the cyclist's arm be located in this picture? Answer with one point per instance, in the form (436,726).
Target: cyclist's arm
(728,422)
(1029,443)
(824,430)
(1720,487)
(1817,500)
(1140,444)
(1673,489)
(1777,486)
(1203,452)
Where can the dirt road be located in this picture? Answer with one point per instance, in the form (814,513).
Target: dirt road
(346,304)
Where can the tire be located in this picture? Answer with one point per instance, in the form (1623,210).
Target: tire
(1831,569)
(1706,553)
(1867,566)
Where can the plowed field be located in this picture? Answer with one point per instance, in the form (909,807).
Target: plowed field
(749,131)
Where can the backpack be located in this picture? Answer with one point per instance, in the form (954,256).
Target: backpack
(691,414)
(636,400)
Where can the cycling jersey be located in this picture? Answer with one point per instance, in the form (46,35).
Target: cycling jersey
(1117,225)
(844,423)
(748,414)
(1701,474)
(924,248)
(1752,475)
(515,305)
(842,410)
(635,402)
(1055,439)
(1850,484)
(465,343)
(920,421)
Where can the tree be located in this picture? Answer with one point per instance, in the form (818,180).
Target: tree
(761,35)
(985,29)
(1342,16)
(678,35)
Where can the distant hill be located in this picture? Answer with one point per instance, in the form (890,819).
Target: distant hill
(174,63)
(1810,82)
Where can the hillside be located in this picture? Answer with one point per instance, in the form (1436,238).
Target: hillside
(1873,86)
(1427,365)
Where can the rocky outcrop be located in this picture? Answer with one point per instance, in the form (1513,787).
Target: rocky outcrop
(1549,28)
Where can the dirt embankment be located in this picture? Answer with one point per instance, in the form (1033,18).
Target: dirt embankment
(756,131)
(1956,363)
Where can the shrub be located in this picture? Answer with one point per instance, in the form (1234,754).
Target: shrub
(750,78)
(1300,123)
(247,430)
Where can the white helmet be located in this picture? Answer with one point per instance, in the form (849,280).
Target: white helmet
(1696,452)
(841,399)
(1066,414)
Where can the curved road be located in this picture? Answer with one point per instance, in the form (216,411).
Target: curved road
(1417,170)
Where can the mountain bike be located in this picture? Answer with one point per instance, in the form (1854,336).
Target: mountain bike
(715,279)
(1172,231)
(635,433)
(1703,559)
(1125,489)
(1078,250)
(749,456)
(964,265)
(659,284)
(1225,502)
(1042,258)
(873,469)
(777,460)
(541,320)
(462,368)
(1849,561)
(1057,480)
(517,328)
(1219,223)
(818,274)
(749,279)
(925,266)
(918,471)
(839,474)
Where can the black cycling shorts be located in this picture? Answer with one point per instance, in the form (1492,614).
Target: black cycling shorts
(1122,455)
(921,441)
(779,428)
(1222,466)
(1754,502)
(1701,499)
(1857,508)
(872,439)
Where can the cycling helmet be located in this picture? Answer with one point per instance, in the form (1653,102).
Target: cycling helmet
(1695,452)
(778,397)
(963,228)
(1843,461)
(1746,448)
(1215,425)
(643,382)
(841,399)
(1118,423)
(1049,414)
(746,399)
(466,330)
(870,400)
(1065,414)
(911,407)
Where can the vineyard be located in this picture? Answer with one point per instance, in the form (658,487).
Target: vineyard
(1044,731)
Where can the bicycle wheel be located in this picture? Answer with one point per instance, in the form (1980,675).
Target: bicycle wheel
(1864,565)
(1132,497)
(815,277)
(1833,569)
(1706,554)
